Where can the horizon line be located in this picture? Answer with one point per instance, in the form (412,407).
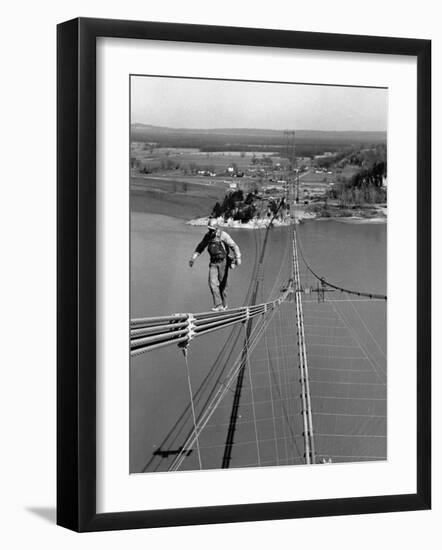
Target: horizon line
(252,128)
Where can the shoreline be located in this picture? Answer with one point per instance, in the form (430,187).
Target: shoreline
(353,219)
(192,206)
(301,217)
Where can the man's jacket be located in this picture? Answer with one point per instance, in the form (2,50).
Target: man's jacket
(221,236)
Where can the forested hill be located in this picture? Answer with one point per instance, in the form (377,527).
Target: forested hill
(212,139)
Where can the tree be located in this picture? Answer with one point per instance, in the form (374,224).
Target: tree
(248,213)
(249,198)
(273,207)
(217,210)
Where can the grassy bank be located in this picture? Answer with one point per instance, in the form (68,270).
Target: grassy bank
(173,198)
(367,211)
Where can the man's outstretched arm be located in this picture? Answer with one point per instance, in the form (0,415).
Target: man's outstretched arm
(198,250)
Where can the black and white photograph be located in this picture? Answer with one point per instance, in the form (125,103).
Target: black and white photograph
(220,241)
(258,269)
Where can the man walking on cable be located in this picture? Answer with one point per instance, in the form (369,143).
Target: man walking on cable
(220,246)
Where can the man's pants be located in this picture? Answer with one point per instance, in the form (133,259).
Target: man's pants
(218,282)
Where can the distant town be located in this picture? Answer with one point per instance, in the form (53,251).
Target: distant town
(249,173)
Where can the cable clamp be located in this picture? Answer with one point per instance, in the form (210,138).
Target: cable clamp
(190,327)
(190,332)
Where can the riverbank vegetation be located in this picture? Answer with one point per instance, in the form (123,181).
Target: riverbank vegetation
(366,185)
(237,207)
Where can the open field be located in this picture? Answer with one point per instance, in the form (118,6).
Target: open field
(311,177)
(156,158)
(179,185)
(173,197)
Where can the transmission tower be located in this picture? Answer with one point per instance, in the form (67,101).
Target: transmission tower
(293,178)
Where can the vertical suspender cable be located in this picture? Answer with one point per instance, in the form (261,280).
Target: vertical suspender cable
(266,342)
(192,405)
(253,404)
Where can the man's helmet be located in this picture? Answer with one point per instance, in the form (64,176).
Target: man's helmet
(212,224)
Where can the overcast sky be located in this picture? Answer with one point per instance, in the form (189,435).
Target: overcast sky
(191,103)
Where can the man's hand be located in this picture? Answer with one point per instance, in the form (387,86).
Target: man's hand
(238,261)
(191,262)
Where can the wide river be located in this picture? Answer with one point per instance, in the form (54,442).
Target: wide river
(351,255)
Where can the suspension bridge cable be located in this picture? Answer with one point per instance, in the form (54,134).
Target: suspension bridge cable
(222,390)
(305,404)
(192,405)
(367,355)
(181,329)
(211,406)
(283,400)
(253,408)
(242,366)
(368,330)
(240,380)
(323,281)
(266,343)
(165,334)
(152,333)
(222,358)
(282,372)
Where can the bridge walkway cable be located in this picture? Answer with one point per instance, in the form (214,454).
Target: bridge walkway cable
(151,333)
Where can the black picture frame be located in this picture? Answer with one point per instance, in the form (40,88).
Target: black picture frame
(77,288)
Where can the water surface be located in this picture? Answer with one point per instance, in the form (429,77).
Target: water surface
(352,256)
